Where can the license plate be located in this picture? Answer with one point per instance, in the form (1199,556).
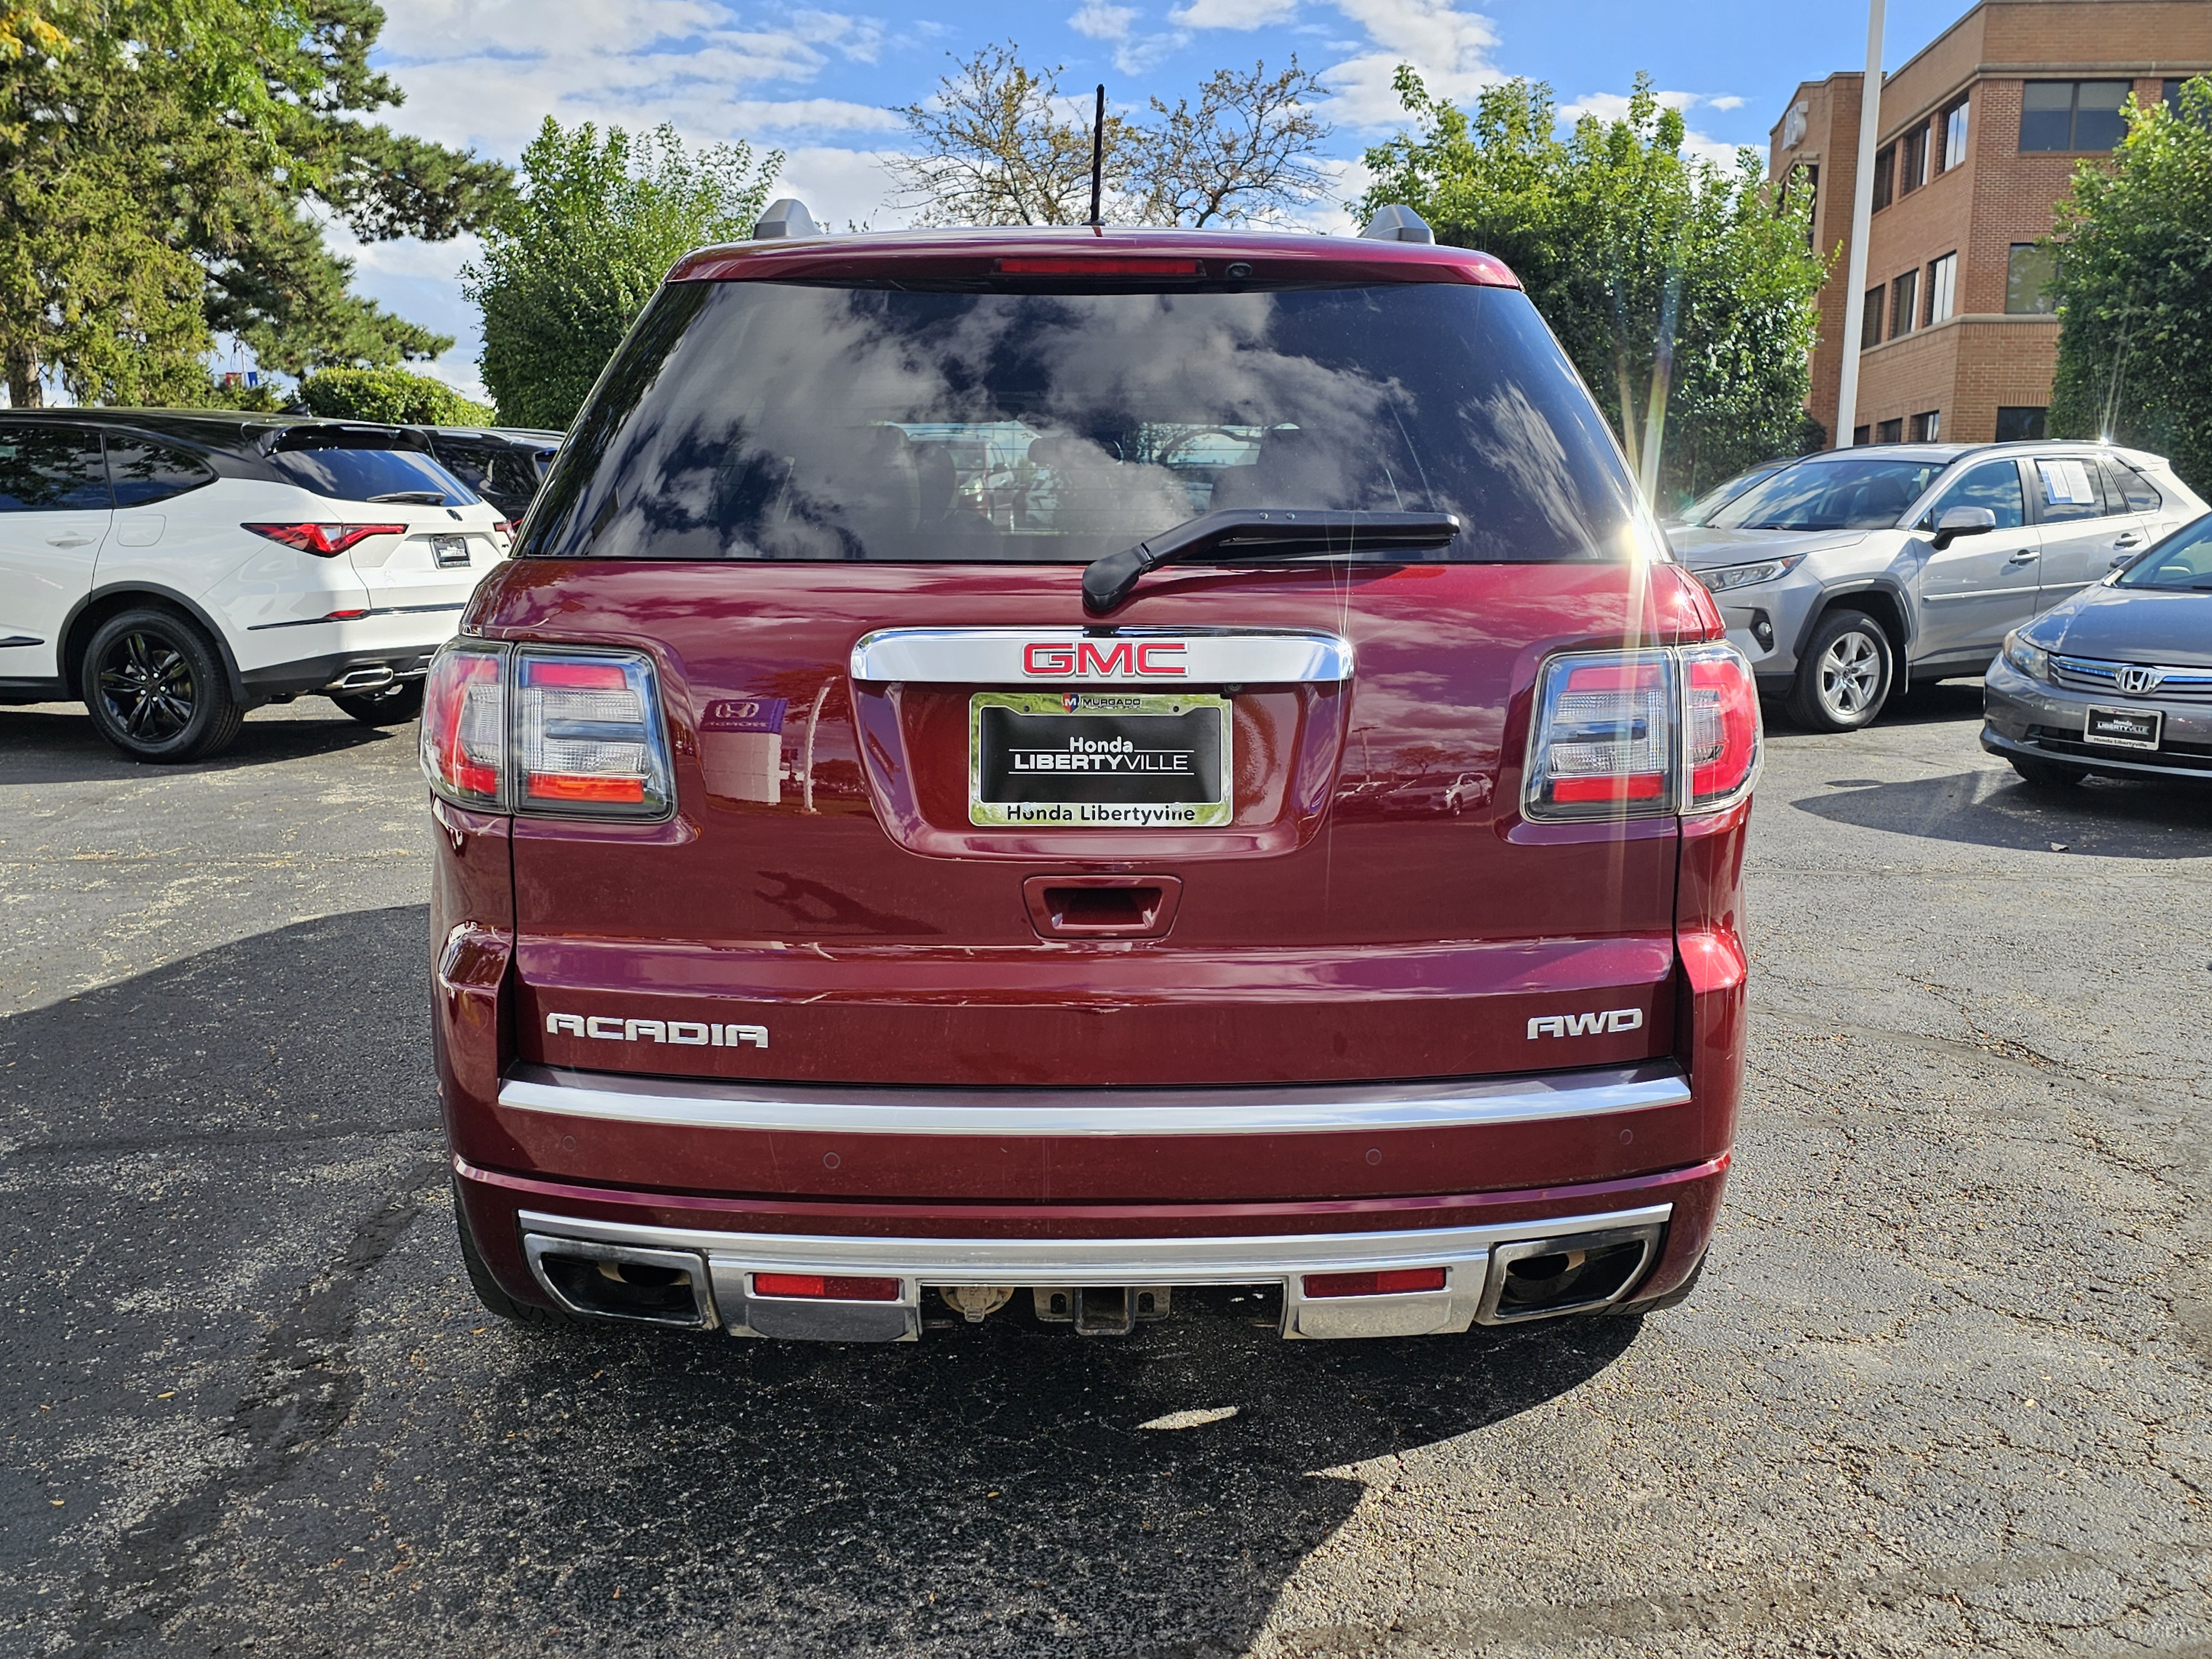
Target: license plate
(450,551)
(1077,760)
(2123,728)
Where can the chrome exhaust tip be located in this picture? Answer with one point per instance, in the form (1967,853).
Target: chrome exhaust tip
(622,1282)
(1532,1278)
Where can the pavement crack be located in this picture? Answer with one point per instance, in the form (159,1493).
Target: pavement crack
(305,1388)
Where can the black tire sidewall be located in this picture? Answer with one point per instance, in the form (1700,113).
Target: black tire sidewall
(213,719)
(1805,704)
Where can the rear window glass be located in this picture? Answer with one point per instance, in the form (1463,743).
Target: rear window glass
(1832,494)
(782,421)
(143,471)
(371,475)
(51,469)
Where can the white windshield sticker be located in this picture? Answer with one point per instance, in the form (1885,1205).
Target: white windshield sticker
(2066,483)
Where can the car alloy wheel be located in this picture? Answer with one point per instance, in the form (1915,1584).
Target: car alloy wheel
(1850,676)
(147,685)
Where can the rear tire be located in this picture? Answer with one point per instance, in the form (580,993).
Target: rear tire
(2047,775)
(495,1300)
(395,705)
(1845,674)
(155,688)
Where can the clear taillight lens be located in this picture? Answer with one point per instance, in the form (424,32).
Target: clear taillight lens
(588,738)
(465,725)
(1603,742)
(1721,744)
(1642,734)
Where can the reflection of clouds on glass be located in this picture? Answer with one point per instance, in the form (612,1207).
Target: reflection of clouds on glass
(1514,437)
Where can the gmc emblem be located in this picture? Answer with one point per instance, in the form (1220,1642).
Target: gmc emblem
(1129,659)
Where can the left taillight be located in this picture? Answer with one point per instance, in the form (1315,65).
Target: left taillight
(325,541)
(588,738)
(464,744)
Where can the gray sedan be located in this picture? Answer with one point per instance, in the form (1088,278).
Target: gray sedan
(2116,680)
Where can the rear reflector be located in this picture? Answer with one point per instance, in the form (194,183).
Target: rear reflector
(820,1288)
(463,740)
(588,734)
(325,541)
(1079,266)
(1391,1281)
(1642,734)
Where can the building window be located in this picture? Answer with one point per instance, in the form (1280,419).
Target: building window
(1942,288)
(1926,427)
(1890,432)
(1954,122)
(2028,275)
(1870,319)
(1912,161)
(1858,437)
(2018,425)
(2072,115)
(2172,90)
(1885,175)
(1904,304)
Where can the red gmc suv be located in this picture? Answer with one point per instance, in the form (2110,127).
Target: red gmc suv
(1079,765)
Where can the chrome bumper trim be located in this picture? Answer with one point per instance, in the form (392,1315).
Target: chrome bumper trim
(1465,1254)
(1170,656)
(798,1108)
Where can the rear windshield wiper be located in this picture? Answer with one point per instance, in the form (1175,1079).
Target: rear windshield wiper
(410,498)
(1242,532)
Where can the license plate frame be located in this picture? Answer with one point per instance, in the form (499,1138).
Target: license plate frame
(450,552)
(2123,728)
(1149,761)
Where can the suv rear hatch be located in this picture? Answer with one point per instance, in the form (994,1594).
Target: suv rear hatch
(933,824)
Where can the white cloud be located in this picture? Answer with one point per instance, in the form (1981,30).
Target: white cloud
(1233,14)
(1729,102)
(1613,106)
(1450,49)
(1134,53)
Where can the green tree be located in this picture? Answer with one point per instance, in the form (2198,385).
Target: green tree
(1682,291)
(392,395)
(2133,288)
(572,257)
(995,146)
(164,167)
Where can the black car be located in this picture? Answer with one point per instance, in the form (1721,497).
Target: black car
(503,465)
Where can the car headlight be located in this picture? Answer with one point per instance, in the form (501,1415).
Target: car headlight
(2032,660)
(1726,576)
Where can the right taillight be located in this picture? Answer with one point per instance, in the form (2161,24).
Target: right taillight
(1645,734)
(1721,745)
(465,725)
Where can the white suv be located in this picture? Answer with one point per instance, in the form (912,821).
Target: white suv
(174,569)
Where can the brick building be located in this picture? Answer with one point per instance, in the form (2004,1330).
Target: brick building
(1981,131)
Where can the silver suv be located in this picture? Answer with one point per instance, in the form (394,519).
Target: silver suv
(1845,573)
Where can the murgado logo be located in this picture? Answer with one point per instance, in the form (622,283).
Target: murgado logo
(683,1033)
(1566,1025)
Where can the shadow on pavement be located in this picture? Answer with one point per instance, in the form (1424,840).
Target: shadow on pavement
(2102,818)
(56,744)
(243,1145)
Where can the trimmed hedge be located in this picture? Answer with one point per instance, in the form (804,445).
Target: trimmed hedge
(392,395)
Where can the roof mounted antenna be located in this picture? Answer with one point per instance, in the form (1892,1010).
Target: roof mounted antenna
(1098,160)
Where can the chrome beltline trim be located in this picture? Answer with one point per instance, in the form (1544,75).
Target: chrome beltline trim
(1237,1261)
(1003,656)
(1122,1112)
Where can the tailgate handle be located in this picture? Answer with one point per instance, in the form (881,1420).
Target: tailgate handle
(1101,906)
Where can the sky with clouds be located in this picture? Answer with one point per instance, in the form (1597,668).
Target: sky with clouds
(824,86)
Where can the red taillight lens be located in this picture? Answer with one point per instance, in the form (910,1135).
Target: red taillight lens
(1101,265)
(1389,1281)
(824,1288)
(1616,732)
(1603,741)
(464,742)
(325,541)
(588,736)
(1721,742)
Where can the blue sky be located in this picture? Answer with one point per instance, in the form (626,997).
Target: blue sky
(823,85)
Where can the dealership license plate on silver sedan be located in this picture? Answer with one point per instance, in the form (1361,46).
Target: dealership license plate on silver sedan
(1078,760)
(2123,728)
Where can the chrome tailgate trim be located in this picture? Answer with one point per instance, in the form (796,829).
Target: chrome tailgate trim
(1145,656)
(819,1108)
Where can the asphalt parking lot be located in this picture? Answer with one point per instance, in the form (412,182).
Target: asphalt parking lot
(1943,1387)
